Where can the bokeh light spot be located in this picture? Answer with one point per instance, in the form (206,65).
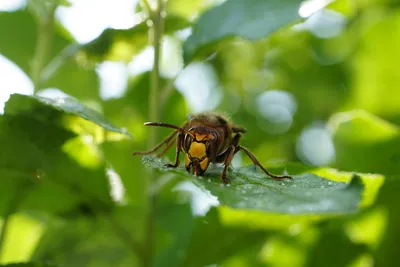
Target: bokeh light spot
(201,199)
(86,19)
(315,146)
(12,81)
(12,5)
(277,108)
(113,79)
(199,84)
(309,7)
(324,24)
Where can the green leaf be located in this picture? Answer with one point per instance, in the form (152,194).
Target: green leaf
(13,248)
(372,182)
(187,9)
(334,238)
(251,19)
(27,105)
(35,163)
(374,84)
(252,190)
(387,203)
(19,46)
(29,264)
(293,246)
(217,241)
(88,241)
(25,145)
(117,45)
(76,80)
(365,143)
(175,225)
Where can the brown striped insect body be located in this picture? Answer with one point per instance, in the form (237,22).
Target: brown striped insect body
(206,138)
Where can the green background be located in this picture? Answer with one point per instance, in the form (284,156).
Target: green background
(319,97)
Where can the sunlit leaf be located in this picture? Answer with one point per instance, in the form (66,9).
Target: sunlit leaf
(372,182)
(293,244)
(28,149)
(41,172)
(34,163)
(16,249)
(368,227)
(252,19)
(375,82)
(249,256)
(187,9)
(365,143)
(252,190)
(21,104)
(260,220)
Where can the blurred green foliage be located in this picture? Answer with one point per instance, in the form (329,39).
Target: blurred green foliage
(318,95)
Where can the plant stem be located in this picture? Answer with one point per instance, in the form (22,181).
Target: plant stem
(43,46)
(147,7)
(154,115)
